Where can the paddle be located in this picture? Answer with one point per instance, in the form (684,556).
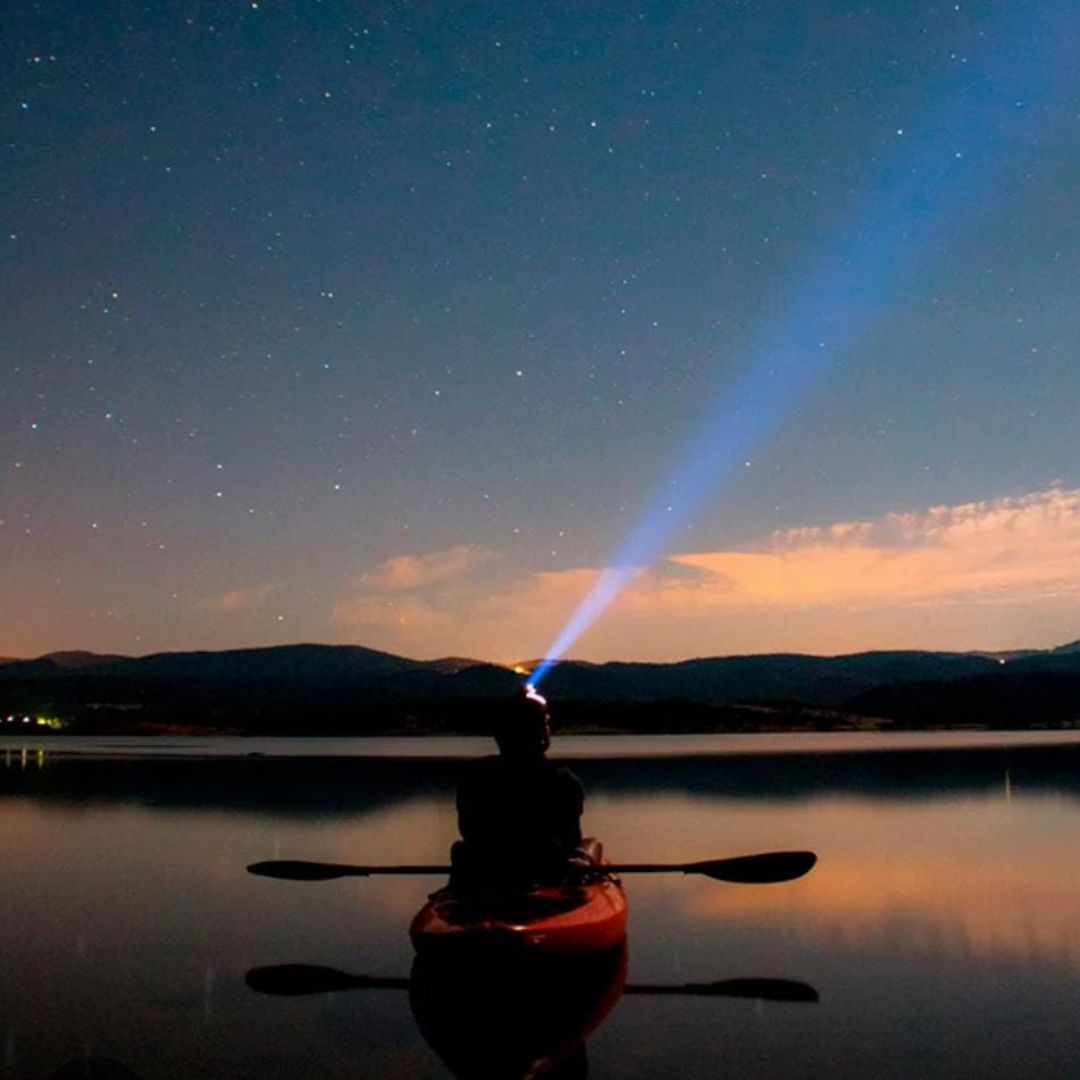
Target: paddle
(764,869)
(294,980)
(761,989)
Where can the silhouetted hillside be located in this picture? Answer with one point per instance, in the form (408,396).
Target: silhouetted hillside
(57,663)
(1006,700)
(451,665)
(1059,660)
(305,662)
(348,689)
(813,680)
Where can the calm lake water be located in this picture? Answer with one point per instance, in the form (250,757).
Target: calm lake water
(941,928)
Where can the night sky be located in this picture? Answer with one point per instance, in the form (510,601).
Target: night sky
(389,323)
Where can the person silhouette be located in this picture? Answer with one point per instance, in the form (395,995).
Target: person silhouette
(519,814)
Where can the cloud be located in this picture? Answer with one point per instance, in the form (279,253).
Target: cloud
(235,601)
(993,574)
(407,616)
(411,597)
(417,571)
(1003,550)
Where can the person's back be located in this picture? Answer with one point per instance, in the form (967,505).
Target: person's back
(519,815)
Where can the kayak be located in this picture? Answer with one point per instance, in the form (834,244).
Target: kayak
(551,919)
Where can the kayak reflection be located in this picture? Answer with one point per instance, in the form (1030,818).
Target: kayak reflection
(489,1015)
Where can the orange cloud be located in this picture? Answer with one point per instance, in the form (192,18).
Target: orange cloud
(417,571)
(413,600)
(994,574)
(234,601)
(406,616)
(1012,548)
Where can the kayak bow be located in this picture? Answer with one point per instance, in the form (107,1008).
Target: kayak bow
(566,919)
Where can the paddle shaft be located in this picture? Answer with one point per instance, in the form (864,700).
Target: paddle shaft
(744,869)
(297,980)
(758,989)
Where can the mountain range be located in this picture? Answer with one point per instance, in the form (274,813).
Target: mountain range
(352,689)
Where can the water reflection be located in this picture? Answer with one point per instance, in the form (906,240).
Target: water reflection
(320,787)
(957,877)
(94,1068)
(487,1015)
(23,756)
(940,926)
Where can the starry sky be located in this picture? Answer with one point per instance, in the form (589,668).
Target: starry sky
(388,323)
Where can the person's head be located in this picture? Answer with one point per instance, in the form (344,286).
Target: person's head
(524,727)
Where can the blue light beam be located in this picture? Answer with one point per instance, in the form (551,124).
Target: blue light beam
(990,120)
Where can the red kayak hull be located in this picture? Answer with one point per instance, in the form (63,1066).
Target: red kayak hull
(556,919)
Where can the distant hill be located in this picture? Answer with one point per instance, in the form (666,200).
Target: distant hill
(451,665)
(815,680)
(1007,700)
(56,663)
(1068,660)
(304,662)
(312,688)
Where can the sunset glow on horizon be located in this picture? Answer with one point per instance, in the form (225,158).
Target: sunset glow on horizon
(995,575)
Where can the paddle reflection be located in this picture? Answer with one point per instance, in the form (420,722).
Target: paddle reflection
(488,1014)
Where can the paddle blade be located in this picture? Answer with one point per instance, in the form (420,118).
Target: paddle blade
(759,989)
(298,870)
(766,869)
(295,980)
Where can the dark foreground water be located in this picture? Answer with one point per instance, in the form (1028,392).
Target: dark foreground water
(941,929)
